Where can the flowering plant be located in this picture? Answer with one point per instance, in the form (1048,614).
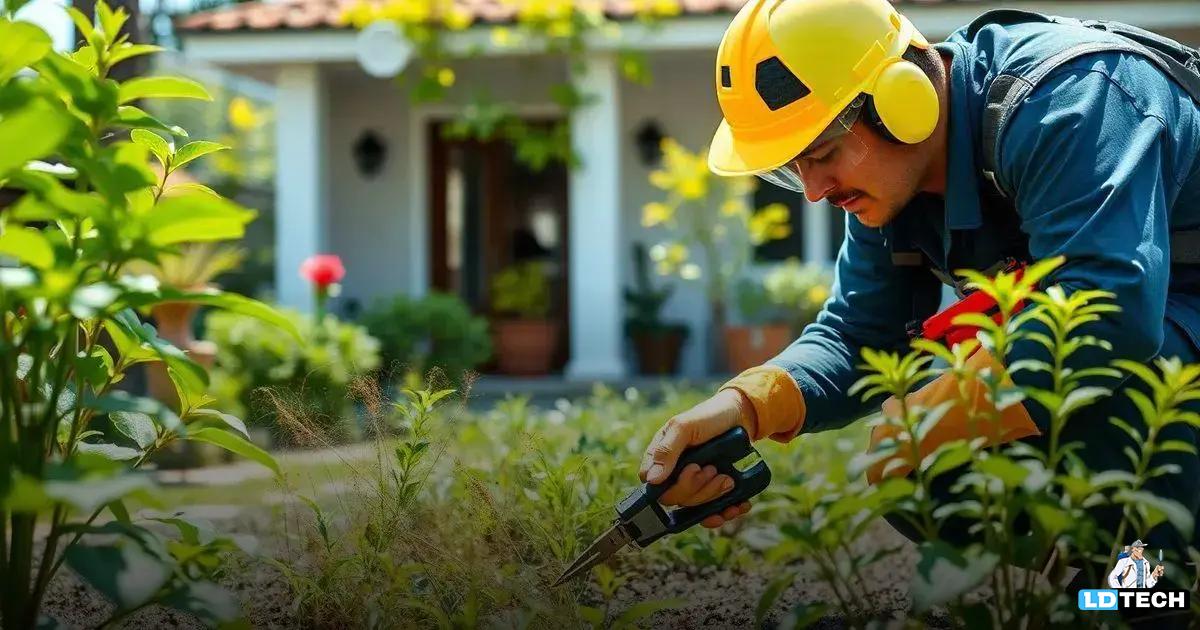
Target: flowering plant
(711,214)
(324,271)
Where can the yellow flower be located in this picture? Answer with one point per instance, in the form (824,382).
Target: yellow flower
(408,11)
(662,180)
(818,294)
(445,77)
(665,8)
(561,28)
(457,19)
(242,115)
(769,224)
(655,213)
(358,15)
(733,207)
(693,188)
(501,36)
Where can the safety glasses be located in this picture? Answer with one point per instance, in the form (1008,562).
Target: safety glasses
(789,177)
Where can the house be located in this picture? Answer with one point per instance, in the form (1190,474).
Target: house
(442,214)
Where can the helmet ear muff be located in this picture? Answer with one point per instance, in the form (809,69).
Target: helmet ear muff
(903,107)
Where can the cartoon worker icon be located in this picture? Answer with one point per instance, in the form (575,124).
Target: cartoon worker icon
(1133,571)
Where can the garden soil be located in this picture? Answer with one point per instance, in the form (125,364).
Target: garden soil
(715,597)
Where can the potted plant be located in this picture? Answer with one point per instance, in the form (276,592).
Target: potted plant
(799,290)
(193,268)
(657,343)
(525,338)
(710,215)
(764,332)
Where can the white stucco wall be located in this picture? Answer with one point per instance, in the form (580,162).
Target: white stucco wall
(369,218)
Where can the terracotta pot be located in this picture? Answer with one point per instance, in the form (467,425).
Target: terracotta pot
(658,350)
(748,346)
(526,347)
(174,323)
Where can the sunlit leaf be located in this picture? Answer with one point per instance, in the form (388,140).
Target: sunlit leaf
(161,87)
(234,444)
(21,44)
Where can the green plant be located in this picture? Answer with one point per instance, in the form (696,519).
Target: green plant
(194,265)
(997,486)
(436,331)
(645,302)
(521,290)
(558,27)
(799,290)
(703,211)
(70,329)
(755,304)
(301,390)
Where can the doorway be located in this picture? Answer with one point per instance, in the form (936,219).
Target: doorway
(489,211)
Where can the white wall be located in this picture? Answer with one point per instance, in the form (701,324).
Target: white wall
(369,218)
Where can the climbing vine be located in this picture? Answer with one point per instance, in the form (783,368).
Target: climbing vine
(564,27)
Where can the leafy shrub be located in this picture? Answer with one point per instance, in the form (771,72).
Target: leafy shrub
(997,486)
(299,390)
(70,327)
(521,290)
(435,331)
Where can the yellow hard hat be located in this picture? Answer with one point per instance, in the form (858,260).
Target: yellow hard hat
(787,68)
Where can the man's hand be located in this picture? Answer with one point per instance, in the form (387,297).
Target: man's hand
(725,410)
(1158,571)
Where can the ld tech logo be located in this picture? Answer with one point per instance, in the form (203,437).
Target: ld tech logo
(1113,599)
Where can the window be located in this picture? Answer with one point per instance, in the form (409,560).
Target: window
(792,246)
(817,229)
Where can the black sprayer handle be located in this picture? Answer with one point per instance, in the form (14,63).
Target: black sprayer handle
(722,452)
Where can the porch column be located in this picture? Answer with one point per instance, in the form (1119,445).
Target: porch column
(595,222)
(300,221)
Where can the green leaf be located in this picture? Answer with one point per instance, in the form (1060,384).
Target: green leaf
(192,375)
(155,143)
(1004,469)
(234,303)
(225,420)
(110,21)
(85,495)
(27,245)
(804,615)
(195,150)
(234,444)
(1177,445)
(85,26)
(1158,508)
(21,44)
(31,132)
(211,603)
(127,51)
(1081,397)
(129,116)
(770,595)
(645,609)
(118,401)
(126,574)
(944,573)
(195,217)
(136,426)
(161,87)
(111,451)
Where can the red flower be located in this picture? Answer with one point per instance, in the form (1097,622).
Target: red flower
(323,270)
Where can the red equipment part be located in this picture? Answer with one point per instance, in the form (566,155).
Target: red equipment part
(941,327)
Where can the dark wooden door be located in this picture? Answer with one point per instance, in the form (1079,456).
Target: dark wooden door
(489,211)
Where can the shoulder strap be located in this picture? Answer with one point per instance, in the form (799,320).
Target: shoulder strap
(1008,91)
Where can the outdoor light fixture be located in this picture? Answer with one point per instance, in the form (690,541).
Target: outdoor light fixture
(649,143)
(369,153)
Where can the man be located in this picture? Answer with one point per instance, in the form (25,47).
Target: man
(1134,571)
(1019,137)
